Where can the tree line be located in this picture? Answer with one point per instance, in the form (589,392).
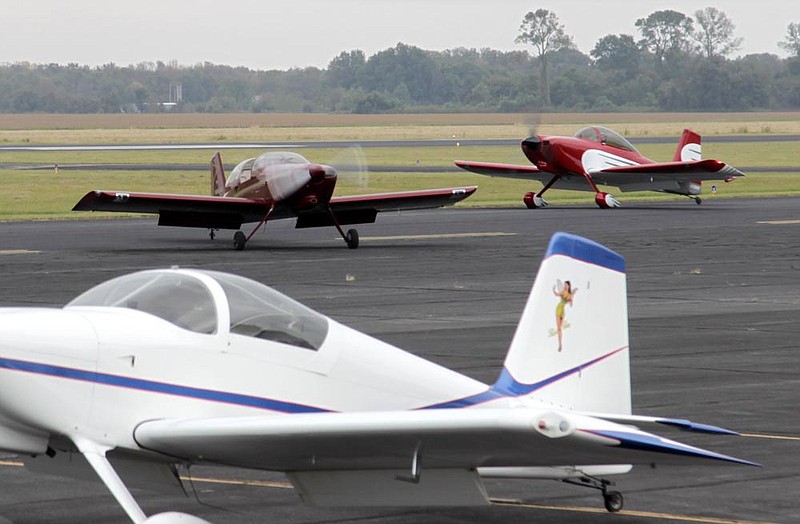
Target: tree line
(678,63)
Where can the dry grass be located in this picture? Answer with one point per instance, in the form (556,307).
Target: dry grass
(183,128)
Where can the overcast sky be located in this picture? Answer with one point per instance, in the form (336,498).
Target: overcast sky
(280,34)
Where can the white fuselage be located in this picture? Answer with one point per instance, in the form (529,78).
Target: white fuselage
(99,372)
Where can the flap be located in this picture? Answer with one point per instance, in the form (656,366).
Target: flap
(436,487)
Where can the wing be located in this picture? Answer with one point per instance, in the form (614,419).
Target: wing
(360,209)
(504,170)
(665,173)
(179,210)
(444,438)
(231,212)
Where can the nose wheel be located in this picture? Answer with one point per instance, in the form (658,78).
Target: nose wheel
(613,501)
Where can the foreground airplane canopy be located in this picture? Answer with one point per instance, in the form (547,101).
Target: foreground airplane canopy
(182,366)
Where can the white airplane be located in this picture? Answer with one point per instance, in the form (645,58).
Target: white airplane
(172,367)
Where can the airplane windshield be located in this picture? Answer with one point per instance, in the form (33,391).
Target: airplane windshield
(605,136)
(240,173)
(280,157)
(261,312)
(177,298)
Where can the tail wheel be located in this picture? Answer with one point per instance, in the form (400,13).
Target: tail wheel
(613,501)
(351,238)
(239,241)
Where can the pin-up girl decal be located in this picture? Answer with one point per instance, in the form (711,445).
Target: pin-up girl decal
(564,292)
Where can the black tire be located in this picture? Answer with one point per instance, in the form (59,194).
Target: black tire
(351,238)
(239,241)
(613,501)
(698,200)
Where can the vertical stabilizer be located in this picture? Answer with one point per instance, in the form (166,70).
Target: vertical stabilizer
(571,345)
(689,148)
(217,176)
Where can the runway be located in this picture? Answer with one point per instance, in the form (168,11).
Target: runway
(714,306)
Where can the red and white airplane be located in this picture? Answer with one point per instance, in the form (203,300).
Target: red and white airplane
(598,156)
(161,368)
(271,186)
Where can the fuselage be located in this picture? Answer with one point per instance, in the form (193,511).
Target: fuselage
(100,371)
(561,155)
(282,179)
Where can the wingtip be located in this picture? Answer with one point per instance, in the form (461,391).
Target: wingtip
(688,425)
(652,443)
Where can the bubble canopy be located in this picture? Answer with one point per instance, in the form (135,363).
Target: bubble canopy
(605,136)
(211,302)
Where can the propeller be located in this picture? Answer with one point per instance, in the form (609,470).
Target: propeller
(351,169)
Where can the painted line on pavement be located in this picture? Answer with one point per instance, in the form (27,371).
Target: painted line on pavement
(442,235)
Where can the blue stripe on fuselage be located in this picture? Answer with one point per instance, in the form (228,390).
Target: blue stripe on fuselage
(506,386)
(158,387)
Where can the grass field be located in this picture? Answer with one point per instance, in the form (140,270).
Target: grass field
(40,194)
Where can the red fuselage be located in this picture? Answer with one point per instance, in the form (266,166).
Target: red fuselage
(285,181)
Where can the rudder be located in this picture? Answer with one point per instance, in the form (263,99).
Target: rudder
(217,175)
(570,348)
(689,147)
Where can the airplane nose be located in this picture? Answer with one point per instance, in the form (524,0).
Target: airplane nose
(317,172)
(532,142)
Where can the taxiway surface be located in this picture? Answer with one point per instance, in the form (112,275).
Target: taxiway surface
(714,305)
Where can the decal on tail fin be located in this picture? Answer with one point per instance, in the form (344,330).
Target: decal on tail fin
(217,176)
(571,345)
(689,148)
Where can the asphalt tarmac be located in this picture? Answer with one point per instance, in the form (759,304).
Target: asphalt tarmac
(714,304)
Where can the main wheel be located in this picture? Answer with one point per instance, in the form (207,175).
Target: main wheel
(613,501)
(351,238)
(698,200)
(239,241)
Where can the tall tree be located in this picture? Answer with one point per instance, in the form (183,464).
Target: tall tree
(792,41)
(665,32)
(546,34)
(617,53)
(344,69)
(715,33)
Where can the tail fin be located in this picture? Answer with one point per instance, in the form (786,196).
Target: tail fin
(571,345)
(688,148)
(217,176)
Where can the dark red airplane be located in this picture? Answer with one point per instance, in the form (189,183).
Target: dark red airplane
(271,186)
(597,156)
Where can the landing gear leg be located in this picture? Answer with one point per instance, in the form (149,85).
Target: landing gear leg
(351,237)
(240,240)
(612,500)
